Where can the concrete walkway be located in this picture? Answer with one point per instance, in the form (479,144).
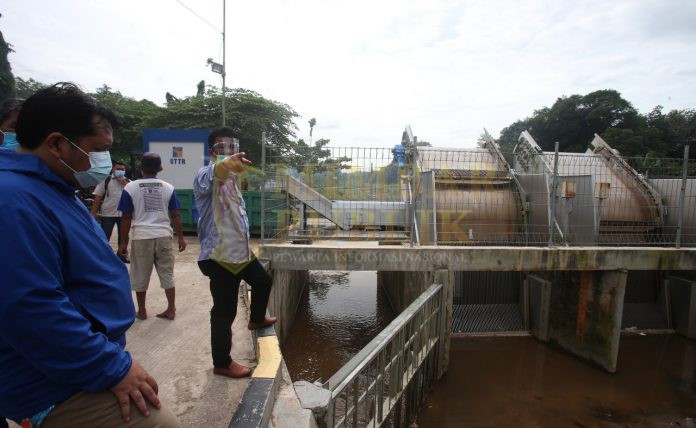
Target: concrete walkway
(177,353)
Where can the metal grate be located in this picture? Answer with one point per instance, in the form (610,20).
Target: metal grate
(486,318)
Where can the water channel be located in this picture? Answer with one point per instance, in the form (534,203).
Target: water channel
(520,381)
(338,314)
(501,381)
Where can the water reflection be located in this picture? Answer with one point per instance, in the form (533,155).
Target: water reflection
(520,381)
(339,313)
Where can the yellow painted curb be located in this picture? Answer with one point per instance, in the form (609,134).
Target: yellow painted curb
(269,358)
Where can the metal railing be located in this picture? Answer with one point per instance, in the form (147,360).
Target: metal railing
(482,196)
(385,383)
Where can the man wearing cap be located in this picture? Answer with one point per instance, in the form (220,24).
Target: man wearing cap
(145,206)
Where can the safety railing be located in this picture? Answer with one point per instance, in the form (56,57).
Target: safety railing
(481,196)
(342,193)
(384,384)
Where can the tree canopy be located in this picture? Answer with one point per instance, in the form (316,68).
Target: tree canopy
(7,80)
(572,122)
(248,113)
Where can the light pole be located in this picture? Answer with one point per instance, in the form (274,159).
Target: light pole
(220,68)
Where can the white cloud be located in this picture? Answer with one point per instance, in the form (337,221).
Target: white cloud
(367,69)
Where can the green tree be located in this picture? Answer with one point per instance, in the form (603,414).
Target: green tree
(25,88)
(312,124)
(132,116)
(680,131)
(573,120)
(248,114)
(302,156)
(7,80)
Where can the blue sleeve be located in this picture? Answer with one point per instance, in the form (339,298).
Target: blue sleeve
(125,204)
(203,182)
(38,321)
(174,202)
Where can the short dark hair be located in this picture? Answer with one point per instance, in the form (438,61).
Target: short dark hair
(216,133)
(151,163)
(63,108)
(117,162)
(8,106)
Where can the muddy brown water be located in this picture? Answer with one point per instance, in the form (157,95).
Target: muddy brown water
(338,314)
(501,381)
(519,381)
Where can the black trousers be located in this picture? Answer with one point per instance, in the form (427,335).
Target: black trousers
(224,287)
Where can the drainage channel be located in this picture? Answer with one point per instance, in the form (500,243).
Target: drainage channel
(338,314)
(520,381)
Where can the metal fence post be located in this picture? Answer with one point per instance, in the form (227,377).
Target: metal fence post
(263,187)
(554,185)
(682,196)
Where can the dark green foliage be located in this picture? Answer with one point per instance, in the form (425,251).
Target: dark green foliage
(573,121)
(132,115)
(25,88)
(7,80)
(247,112)
(301,156)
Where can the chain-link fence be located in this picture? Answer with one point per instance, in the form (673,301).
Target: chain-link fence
(480,196)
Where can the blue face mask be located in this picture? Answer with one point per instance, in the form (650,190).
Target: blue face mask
(119,173)
(100,167)
(9,140)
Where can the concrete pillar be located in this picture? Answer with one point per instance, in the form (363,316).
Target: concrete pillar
(585,314)
(682,293)
(288,286)
(538,291)
(446,278)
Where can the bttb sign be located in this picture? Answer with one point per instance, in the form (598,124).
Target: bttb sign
(183,153)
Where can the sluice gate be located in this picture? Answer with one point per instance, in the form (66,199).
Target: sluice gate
(571,248)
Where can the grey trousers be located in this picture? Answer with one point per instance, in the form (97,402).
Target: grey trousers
(101,410)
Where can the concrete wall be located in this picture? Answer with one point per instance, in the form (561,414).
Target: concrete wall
(585,314)
(288,286)
(402,288)
(683,303)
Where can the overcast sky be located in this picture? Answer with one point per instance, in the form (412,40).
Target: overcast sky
(365,69)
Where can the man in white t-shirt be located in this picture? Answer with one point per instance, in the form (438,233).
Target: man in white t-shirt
(145,206)
(107,195)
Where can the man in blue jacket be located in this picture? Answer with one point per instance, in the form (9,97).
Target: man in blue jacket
(65,301)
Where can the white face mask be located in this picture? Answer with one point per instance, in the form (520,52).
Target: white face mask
(100,167)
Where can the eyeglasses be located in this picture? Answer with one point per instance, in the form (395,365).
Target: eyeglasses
(228,146)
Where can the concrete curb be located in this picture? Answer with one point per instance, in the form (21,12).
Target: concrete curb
(256,406)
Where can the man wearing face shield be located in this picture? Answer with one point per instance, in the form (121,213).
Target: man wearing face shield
(226,257)
(65,301)
(9,111)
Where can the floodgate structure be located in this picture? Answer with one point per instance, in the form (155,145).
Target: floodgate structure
(572,248)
